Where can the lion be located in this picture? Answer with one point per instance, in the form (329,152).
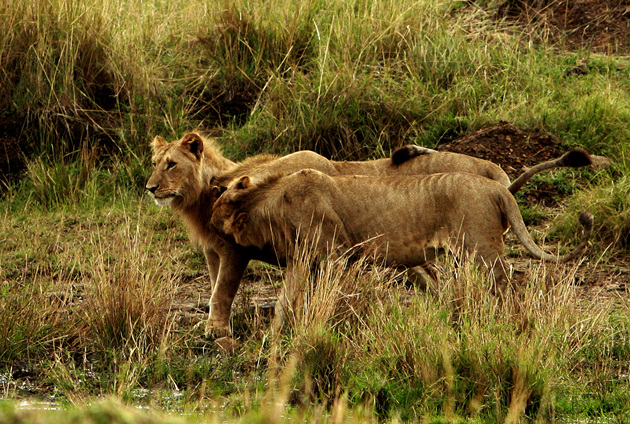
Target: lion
(409,160)
(186,170)
(404,221)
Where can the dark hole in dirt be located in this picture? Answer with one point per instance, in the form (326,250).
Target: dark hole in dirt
(12,152)
(102,92)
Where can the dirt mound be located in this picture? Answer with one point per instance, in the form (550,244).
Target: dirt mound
(514,150)
(511,148)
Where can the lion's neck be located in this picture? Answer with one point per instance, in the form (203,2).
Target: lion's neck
(261,233)
(196,210)
(197,216)
(214,161)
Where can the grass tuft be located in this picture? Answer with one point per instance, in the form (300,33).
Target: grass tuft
(609,203)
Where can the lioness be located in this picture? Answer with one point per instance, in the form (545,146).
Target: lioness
(407,221)
(184,172)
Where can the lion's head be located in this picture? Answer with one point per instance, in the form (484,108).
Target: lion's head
(183,169)
(225,214)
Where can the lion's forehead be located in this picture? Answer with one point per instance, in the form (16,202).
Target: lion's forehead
(168,153)
(228,202)
(160,154)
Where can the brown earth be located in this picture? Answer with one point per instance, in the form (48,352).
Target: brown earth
(600,26)
(507,146)
(514,150)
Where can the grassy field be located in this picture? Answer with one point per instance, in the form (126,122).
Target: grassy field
(96,282)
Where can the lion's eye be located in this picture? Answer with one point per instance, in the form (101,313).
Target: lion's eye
(171,165)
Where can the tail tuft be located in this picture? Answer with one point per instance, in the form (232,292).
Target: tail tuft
(587,220)
(404,153)
(576,159)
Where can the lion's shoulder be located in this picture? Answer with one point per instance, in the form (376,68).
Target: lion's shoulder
(262,166)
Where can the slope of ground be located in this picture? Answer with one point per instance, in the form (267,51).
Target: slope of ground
(600,26)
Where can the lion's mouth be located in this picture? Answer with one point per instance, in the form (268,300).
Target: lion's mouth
(162,199)
(162,196)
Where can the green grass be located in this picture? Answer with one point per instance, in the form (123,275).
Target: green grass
(91,272)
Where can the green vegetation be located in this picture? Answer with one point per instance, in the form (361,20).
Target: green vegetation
(98,286)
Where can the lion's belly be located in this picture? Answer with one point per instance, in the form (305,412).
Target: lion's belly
(411,249)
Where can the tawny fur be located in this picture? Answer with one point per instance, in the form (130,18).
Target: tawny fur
(402,221)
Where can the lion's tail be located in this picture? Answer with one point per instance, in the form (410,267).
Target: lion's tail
(410,151)
(572,159)
(514,217)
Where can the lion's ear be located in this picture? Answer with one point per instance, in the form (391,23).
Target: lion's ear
(240,222)
(194,143)
(244,183)
(158,142)
(217,191)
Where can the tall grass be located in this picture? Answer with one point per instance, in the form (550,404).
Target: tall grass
(58,76)
(27,320)
(608,201)
(359,337)
(460,352)
(127,311)
(92,298)
(348,79)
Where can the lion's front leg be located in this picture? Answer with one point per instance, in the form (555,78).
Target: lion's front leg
(213,262)
(286,303)
(231,269)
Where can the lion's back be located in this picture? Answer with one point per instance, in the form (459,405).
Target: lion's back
(441,162)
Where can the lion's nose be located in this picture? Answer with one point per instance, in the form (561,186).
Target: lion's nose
(152,187)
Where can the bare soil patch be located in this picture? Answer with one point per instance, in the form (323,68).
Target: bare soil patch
(600,26)
(504,144)
(514,150)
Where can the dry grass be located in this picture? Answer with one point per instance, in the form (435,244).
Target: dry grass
(359,338)
(459,351)
(126,311)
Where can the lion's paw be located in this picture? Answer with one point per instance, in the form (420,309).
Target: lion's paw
(216,332)
(227,343)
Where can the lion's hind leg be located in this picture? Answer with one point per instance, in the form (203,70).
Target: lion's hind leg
(423,277)
(487,252)
(497,271)
(285,303)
